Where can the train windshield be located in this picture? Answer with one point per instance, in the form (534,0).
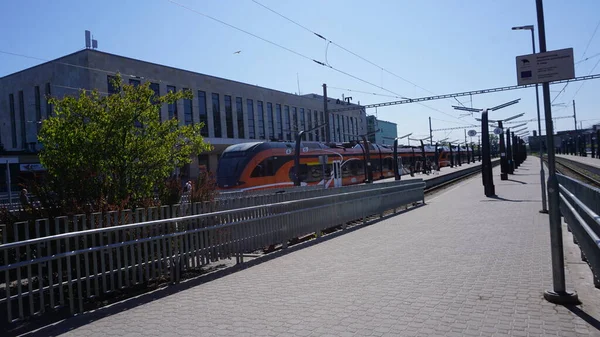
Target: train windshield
(230,167)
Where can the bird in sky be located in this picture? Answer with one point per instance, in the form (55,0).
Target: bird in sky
(237,52)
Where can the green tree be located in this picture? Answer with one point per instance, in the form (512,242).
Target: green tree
(114,149)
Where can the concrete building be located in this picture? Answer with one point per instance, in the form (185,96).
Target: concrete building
(233,112)
(388,131)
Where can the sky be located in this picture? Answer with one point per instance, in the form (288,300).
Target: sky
(442,46)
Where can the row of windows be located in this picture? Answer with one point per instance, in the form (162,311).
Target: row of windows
(20,114)
(342,127)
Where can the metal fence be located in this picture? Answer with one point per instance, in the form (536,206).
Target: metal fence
(45,227)
(580,206)
(71,269)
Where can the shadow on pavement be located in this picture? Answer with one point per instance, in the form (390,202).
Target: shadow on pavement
(518,181)
(497,198)
(584,316)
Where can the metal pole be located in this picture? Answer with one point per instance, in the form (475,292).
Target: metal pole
(509,154)
(574,115)
(326,121)
(542,173)
(396,168)
(430,133)
(368,171)
(558,295)
(297,159)
(451,155)
(486,167)
(503,156)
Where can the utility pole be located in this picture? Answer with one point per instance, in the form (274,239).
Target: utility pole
(465,130)
(558,294)
(574,115)
(430,133)
(326,121)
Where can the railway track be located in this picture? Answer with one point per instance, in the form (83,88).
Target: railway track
(582,172)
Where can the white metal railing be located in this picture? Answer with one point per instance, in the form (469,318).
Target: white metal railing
(70,269)
(580,206)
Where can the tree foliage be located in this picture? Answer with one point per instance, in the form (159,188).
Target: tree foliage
(114,149)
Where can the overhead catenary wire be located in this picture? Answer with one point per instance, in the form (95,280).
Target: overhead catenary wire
(582,56)
(355,54)
(283,47)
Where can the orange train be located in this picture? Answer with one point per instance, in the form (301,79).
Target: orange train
(263,165)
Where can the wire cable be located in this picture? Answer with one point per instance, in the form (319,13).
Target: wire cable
(343,48)
(582,56)
(297,53)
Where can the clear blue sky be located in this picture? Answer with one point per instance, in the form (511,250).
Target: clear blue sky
(444,46)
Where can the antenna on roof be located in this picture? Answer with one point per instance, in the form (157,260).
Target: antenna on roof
(89,41)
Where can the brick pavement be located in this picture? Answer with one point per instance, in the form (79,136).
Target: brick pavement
(463,265)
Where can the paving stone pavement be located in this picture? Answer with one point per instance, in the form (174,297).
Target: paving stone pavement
(463,265)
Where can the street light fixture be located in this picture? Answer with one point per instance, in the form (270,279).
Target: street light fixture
(519,130)
(537,101)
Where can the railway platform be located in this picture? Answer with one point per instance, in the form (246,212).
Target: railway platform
(584,160)
(461,265)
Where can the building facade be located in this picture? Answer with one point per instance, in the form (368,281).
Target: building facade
(232,112)
(388,131)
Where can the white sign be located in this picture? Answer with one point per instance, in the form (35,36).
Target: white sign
(498,131)
(545,67)
(472,133)
(31,167)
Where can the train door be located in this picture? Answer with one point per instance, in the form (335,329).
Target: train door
(337,173)
(400,166)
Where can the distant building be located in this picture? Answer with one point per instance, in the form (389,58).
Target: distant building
(567,140)
(388,131)
(233,112)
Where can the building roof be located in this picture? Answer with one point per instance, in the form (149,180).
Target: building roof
(147,62)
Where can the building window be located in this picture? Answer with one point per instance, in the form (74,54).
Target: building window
(134,82)
(279,121)
(270,121)
(48,105)
(261,119)
(216,114)
(310,126)
(202,113)
(112,85)
(302,126)
(251,129)
(172,108)
(239,110)
(13,120)
(338,128)
(344,137)
(316,119)
(288,122)
(348,130)
(38,108)
(322,121)
(22,117)
(295,121)
(228,116)
(352,126)
(188,111)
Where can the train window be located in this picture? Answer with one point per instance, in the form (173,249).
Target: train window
(269,166)
(264,169)
(388,164)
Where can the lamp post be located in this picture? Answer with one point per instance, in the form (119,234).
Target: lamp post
(505,156)
(297,152)
(537,101)
(486,165)
(396,166)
